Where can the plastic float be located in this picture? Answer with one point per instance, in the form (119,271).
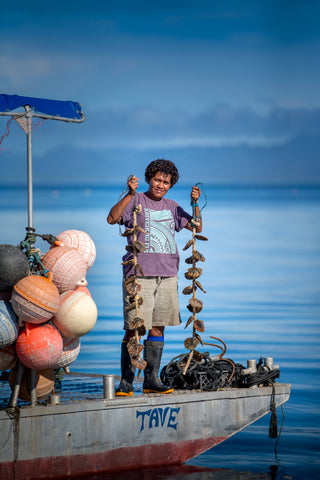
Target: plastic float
(77,314)
(81,241)
(35,299)
(67,266)
(70,352)
(39,346)
(14,265)
(8,324)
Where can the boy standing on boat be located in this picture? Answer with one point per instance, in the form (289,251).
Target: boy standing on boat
(159,219)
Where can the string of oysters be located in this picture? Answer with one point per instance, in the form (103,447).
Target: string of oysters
(195,305)
(133,287)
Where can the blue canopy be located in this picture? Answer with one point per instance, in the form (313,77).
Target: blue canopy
(66,109)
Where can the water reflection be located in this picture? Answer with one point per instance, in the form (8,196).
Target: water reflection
(187,472)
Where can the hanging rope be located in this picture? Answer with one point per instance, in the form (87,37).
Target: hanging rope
(33,254)
(204,194)
(123,193)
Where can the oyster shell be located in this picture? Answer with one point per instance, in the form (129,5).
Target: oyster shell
(138,362)
(197,356)
(188,290)
(134,348)
(128,232)
(136,323)
(140,229)
(137,298)
(188,244)
(142,330)
(201,237)
(198,256)
(138,208)
(199,325)
(140,246)
(193,272)
(190,319)
(133,288)
(198,284)
(128,262)
(189,260)
(191,343)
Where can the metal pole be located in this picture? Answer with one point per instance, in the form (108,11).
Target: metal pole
(29,167)
(16,389)
(108,386)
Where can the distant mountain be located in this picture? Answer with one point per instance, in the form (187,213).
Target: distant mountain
(295,162)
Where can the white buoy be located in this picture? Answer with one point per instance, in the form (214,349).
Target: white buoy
(77,314)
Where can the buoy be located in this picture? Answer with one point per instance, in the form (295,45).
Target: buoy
(39,346)
(8,324)
(14,265)
(35,299)
(83,289)
(45,383)
(82,242)
(67,267)
(8,357)
(70,352)
(77,314)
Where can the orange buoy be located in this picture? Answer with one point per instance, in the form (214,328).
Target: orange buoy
(39,346)
(77,314)
(8,357)
(35,299)
(82,242)
(70,352)
(67,266)
(45,383)
(8,324)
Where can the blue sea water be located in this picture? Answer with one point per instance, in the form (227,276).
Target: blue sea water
(262,277)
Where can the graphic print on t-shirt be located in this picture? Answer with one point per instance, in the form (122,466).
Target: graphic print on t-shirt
(160,231)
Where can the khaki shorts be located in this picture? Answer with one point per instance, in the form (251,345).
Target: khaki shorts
(160,302)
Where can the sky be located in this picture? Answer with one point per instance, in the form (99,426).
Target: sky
(228,90)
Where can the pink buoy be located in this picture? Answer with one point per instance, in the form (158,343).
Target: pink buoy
(77,314)
(70,352)
(39,346)
(80,241)
(8,324)
(67,266)
(83,289)
(35,299)
(8,357)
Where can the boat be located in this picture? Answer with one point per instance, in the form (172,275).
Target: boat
(87,432)
(92,433)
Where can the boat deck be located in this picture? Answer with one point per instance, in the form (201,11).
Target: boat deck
(74,387)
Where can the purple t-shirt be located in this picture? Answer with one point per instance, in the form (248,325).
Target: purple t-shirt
(161,219)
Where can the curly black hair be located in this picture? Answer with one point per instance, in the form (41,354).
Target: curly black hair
(164,166)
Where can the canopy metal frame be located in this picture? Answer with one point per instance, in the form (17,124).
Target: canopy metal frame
(29,114)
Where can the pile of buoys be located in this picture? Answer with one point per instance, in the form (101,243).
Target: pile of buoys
(43,315)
